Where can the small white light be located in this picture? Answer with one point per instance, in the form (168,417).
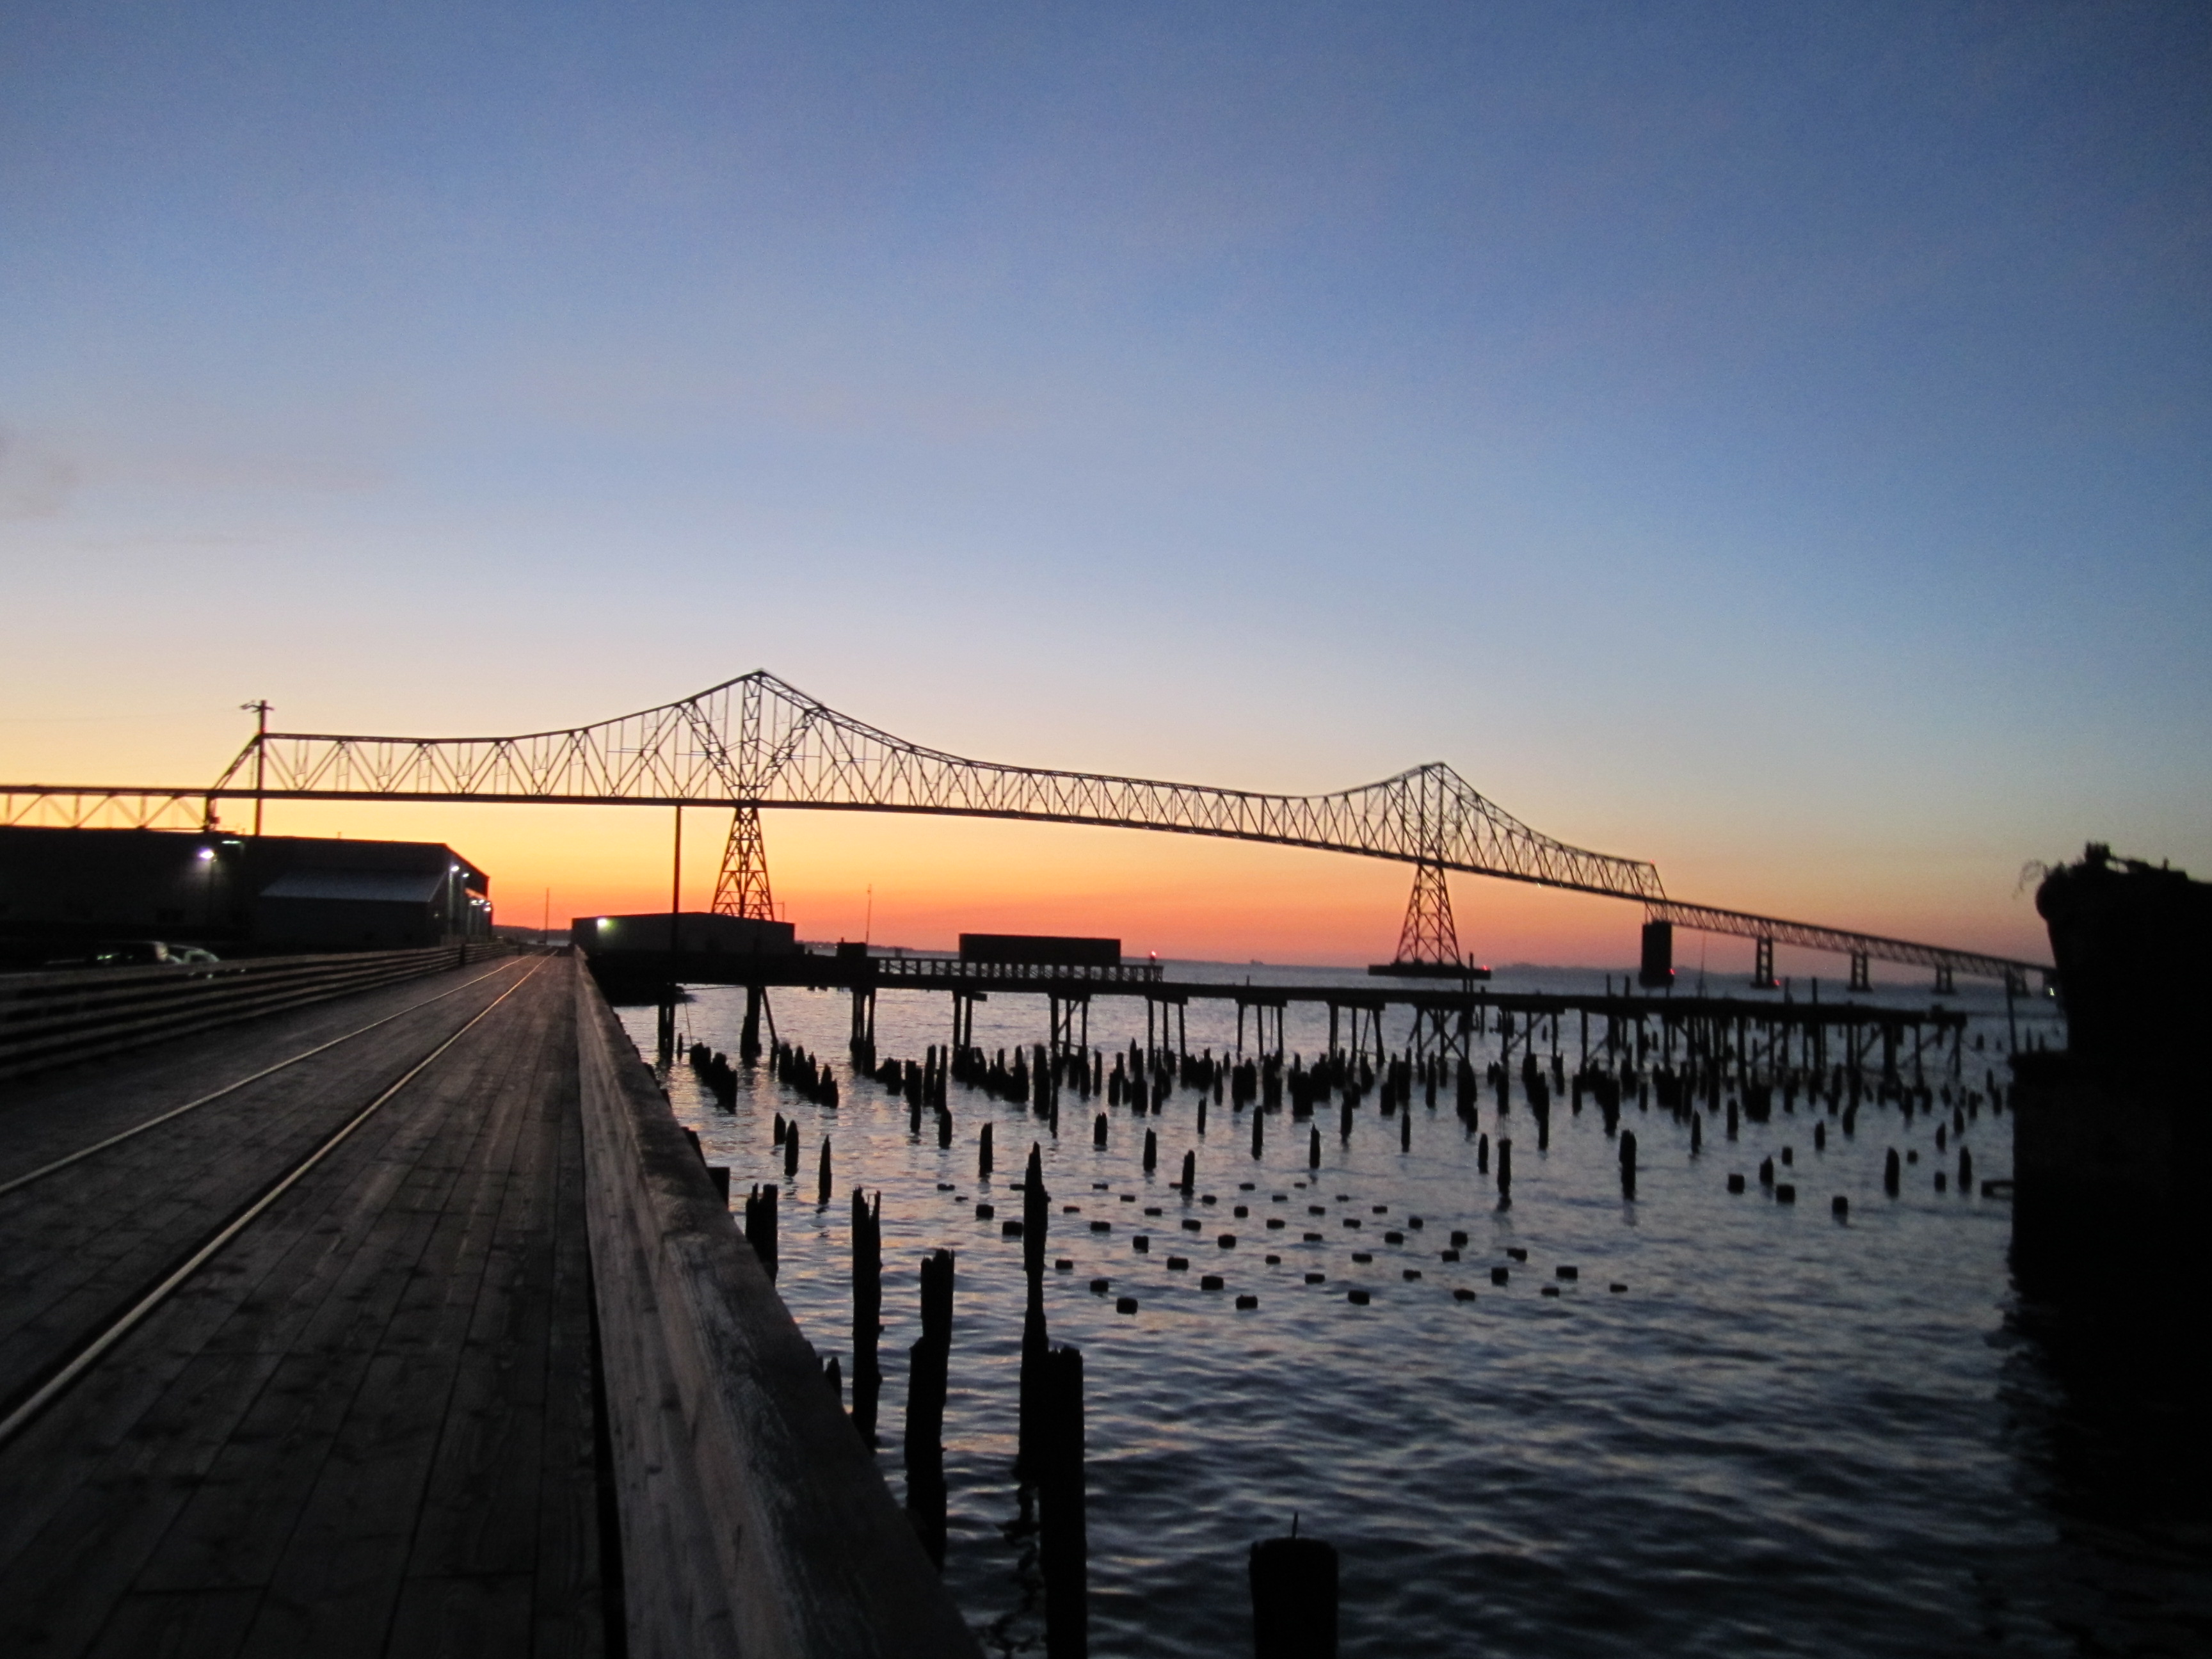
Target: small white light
(206,853)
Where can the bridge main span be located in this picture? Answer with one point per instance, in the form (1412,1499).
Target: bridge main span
(755,742)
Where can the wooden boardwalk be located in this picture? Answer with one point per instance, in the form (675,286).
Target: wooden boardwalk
(368,1425)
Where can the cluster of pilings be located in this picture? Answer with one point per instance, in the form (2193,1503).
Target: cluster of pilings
(1294,1614)
(922,1085)
(787,1139)
(1691,1062)
(804,1075)
(716,1074)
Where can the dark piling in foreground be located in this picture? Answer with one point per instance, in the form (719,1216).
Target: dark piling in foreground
(928,1365)
(1293,1598)
(867,1309)
(760,1225)
(1063,1545)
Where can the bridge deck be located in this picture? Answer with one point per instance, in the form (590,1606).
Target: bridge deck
(368,1425)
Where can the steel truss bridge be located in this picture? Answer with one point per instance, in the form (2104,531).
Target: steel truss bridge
(755,741)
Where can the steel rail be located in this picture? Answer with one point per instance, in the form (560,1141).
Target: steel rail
(83,1152)
(87,1357)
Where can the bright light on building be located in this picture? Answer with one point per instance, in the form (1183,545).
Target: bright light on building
(206,855)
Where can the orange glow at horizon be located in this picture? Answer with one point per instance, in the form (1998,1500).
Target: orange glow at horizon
(1184,896)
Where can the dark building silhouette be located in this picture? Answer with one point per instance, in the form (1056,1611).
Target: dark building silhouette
(64,891)
(698,931)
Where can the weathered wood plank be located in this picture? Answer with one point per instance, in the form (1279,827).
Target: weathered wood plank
(54,1019)
(463,1617)
(183,1624)
(711,1389)
(149,1424)
(573,1601)
(253,1475)
(341,1569)
(39,1121)
(85,1238)
(478,1514)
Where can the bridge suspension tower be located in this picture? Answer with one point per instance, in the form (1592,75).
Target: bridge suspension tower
(1428,938)
(742,888)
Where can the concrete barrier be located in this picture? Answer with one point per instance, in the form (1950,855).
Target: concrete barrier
(753,1520)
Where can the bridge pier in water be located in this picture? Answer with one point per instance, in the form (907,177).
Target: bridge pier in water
(1070,1022)
(964,1019)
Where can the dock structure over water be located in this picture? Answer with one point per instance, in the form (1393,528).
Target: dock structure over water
(1447,1019)
(410,1323)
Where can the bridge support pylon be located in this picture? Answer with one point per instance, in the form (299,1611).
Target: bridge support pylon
(1428,938)
(742,889)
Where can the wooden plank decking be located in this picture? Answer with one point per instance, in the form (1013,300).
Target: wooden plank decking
(368,1425)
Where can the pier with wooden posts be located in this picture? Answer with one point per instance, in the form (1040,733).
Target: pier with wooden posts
(1878,1041)
(408,1322)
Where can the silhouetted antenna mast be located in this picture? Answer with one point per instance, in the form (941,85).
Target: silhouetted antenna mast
(259,709)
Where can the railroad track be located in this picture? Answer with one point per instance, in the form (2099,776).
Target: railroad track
(72,1355)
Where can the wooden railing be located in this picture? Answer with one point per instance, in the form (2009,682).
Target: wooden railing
(999,972)
(60,1016)
(754,1521)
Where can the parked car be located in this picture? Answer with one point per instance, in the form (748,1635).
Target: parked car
(125,953)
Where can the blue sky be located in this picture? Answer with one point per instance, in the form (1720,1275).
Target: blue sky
(1768,440)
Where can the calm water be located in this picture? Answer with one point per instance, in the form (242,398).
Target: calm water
(1785,1435)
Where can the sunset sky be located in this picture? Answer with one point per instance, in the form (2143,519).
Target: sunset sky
(1770,441)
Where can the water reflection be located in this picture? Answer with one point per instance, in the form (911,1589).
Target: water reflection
(2105,1382)
(1789,1434)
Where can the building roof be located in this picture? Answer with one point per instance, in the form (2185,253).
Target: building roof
(358,886)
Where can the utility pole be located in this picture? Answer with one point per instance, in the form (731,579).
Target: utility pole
(259,709)
(667,1034)
(676,886)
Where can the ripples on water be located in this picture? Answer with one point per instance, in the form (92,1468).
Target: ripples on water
(1785,1435)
